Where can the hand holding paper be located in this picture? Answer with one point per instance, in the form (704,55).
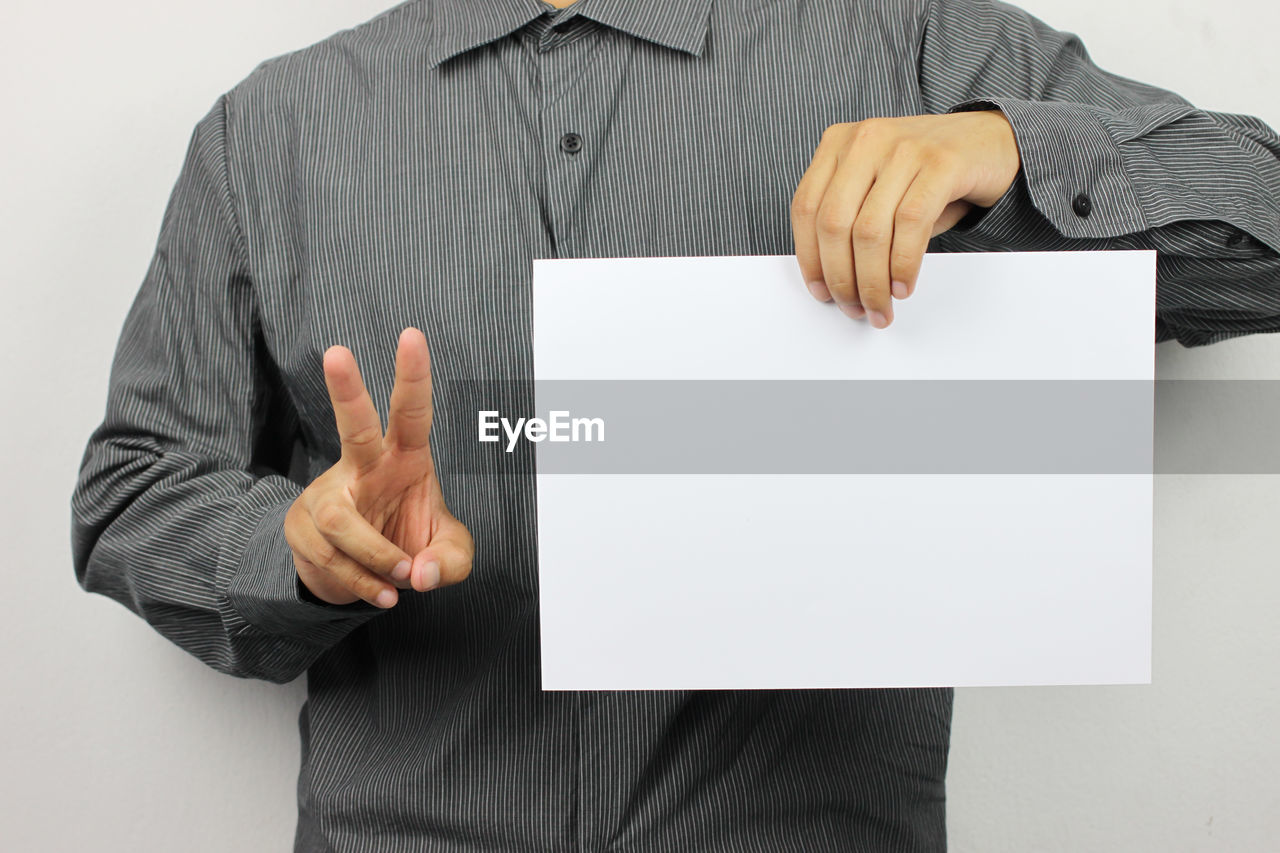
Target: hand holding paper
(878,190)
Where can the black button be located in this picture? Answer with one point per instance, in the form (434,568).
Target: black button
(1235,239)
(1082,205)
(571,143)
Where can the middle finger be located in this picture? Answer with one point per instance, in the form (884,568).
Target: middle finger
(841,200)
(873,236)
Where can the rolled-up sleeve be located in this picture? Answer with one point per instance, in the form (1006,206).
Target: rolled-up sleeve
(179,508)
(1111,163)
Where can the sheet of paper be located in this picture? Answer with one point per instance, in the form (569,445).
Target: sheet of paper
(766,494)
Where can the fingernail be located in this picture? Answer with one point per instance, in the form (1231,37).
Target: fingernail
(818,290)
(899,290)
(401,571)
(430,575)
(386,598)
(854,310)
(878,319)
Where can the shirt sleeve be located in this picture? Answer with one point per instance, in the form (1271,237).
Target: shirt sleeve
(178,512)
(1110,163)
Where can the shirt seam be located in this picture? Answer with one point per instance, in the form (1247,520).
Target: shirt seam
(241,242)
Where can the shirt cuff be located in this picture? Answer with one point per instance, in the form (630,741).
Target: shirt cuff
(264,588)
(1073,172)
(1006,223)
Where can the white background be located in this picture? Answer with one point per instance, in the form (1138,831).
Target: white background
(113,739)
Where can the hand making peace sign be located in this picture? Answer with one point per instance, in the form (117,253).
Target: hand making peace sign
(377,519)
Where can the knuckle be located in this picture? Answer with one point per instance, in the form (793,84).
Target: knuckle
(869,231)
(903,262)
(413,384)
(832,225)
(872,128)
(832,132)
(804,207)
(365,586)
(911,213)
(364,437)
(306,571)
(872,292)
(380,557)
(328,519)
(326,556)
(842,291)
(415,411)
(906,148)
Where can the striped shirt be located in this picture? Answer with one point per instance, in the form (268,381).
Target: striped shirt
(406,172)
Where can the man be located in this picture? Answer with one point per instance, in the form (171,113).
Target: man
(393,183)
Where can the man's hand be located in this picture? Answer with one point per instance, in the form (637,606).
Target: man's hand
(377,520)
(878,190)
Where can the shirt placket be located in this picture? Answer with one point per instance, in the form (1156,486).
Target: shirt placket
(569,60)
(575,78)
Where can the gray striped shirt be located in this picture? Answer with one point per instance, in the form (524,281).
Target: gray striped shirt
(406,172)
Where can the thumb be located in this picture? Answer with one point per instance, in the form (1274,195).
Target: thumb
(951,214)
(446,560)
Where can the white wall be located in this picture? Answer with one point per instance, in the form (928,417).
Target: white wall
(112,739)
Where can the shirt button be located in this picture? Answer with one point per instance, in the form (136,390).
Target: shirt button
(571,143)
(1082,205)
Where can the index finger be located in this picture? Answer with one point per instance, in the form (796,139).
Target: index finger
(804,213)
(359,426)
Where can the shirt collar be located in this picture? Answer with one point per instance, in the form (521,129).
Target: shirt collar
(460,25)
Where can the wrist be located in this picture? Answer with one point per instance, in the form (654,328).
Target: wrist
(996,157)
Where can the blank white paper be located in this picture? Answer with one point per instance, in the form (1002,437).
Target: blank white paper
(749,581)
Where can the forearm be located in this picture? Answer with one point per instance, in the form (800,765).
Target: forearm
(1112,163)
(1214,280)
(179,508)
(200,555)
